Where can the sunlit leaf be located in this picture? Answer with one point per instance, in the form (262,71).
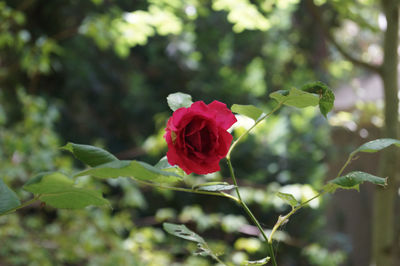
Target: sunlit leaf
(250,245)
(214,186)
(182,231)
(8,199)
(377,145)
(164,165)
(288,198)
(295,97)
(243,14)
(326,96)
(136,169)
(178,100)
(59,191)
(258,262)
(352,180)
(89,155)
(247,110)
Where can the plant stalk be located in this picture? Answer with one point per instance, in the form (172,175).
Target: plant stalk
(188,190)
(251,215)
(228,155)
(283,219)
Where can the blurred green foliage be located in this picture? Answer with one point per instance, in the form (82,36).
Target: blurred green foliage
(98,72)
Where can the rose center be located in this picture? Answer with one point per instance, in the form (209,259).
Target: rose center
(199,139)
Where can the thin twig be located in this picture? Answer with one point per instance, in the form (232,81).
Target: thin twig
(187,190)
(317,16)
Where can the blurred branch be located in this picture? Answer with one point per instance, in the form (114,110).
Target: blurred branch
(131,153)
(25,4)
(65,34)
(316,13)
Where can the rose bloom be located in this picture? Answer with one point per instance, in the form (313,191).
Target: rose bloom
(197,136)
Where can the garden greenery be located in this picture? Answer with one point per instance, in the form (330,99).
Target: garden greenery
(198,138)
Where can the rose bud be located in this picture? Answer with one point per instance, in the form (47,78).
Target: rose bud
(197,136)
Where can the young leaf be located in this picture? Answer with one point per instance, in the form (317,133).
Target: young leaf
(8,199)
(326,96)
(247,110)
(288,198)
(214,186)
(376,145)
(178,100)
(182,231)
(295,97)
(352,180)
(136,169)
(373,146)
(258,262)
(59,191)
(164,165)
(89,155)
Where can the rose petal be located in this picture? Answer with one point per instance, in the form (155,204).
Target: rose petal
(172,156)
(197,138)
(199,107)
(224,142)
(194,140)
(224,117)
(180,118)
(195,125)
(192,166)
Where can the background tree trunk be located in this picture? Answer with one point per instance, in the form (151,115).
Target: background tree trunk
(384,241)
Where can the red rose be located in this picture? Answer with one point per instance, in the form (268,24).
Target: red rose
(197,136)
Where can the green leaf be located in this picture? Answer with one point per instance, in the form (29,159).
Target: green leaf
(288,198)
(59,191)
(247,110)
(214,186)
(164,165)
(8,199)
(295,97)
(258,262)
(136,169)
(326,96)
(182,231)
(90,155)
(352,180)
(178,100)
(377,145)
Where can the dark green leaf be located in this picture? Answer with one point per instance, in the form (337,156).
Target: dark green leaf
(377,145)
(59,191)
(326,96)
(136,169)
(247,110)
(214,186)
(258,262)
(182,231)
(296,98)
(288,198)
(352,180)
(90,155)
(178,100)
(8,199)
